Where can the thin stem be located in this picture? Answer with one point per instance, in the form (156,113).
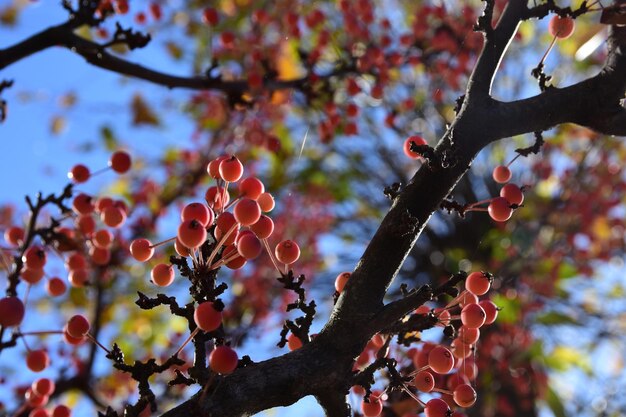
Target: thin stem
(156,245)
(41,332)
(93,339)
(269,252)
(220,243)
(191,336)
(545,55)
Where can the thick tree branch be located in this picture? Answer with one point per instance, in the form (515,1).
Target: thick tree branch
(594,102)
(496,44)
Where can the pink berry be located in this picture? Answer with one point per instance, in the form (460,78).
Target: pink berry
(500,209)
(477,283)
(162,275)
(512,193)
(440,360)
(83,204)
(424,381)
(436,408)
(61,411)
(35,257)
(341,280)
(251,187)
(141,249)
(56,287)
(199,212)
(43,386)
(231,169)
(464,395)
(491,311)
(113,216)
(374,407)
(263,228)
(266,202)
(501,174)
(287,252)
(249,246)
(473,316)
(192,233)
(247,212)
(14,235)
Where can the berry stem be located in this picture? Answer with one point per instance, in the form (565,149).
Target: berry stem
(443,391)
(191,336)
(269,252)
(412,395)
(41,332)
(224,261)
(220,243)
(478,203)
(100,345)
(156,245)
(545,55)
(232,203)
(100,171)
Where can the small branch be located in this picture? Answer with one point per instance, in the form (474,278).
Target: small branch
(3,104)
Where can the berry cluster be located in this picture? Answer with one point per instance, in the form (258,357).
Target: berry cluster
(438,369)
(221,231)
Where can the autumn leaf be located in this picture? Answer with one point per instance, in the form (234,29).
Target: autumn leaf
(142,113)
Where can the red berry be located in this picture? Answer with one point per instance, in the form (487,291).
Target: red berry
(440,360)
(266,202)
(477,283)
(86,224)
(141,249)
(436,408)
(223,360)
(341,281)
(467,298)
(43,386)
(374,407)
(210,16)
(155,11)
(162,275)
(56,287)
(473,316)
(263,228)
(11,311)
(287,252)
(14,235)
(491,311)
(251,187)
(231,169)
(113,216)
(83,204)
(32,276)
(293,342)
(78,277)
(207,317)
(120,162)
(37,360)
(34,400)
(199,212)
(247,212)
(192,233)
(102,239)
(77,326)
(74,341)
(61,411)
(76,261)
(464,395)
(561,27)
(181,249)
(461,350)
(236,262)
(121,6)
(35,257)
(500,209)
(79,174)
(100,256)
(424,381)
(501,174)
(407,146)
(512,193)
(249,246)
(468,335)
(213,169)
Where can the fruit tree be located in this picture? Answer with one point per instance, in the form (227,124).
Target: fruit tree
(319,233)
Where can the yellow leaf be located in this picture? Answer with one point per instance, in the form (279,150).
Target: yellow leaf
(142,113)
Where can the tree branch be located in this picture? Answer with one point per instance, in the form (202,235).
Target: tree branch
(496,44)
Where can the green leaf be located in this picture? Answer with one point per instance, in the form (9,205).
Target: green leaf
(510,308)
(555,403)
(563,358)
(554,318)
(108,137)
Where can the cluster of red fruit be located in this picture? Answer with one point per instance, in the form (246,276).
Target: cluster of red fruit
(437,368)
(233,238)
(501,208)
